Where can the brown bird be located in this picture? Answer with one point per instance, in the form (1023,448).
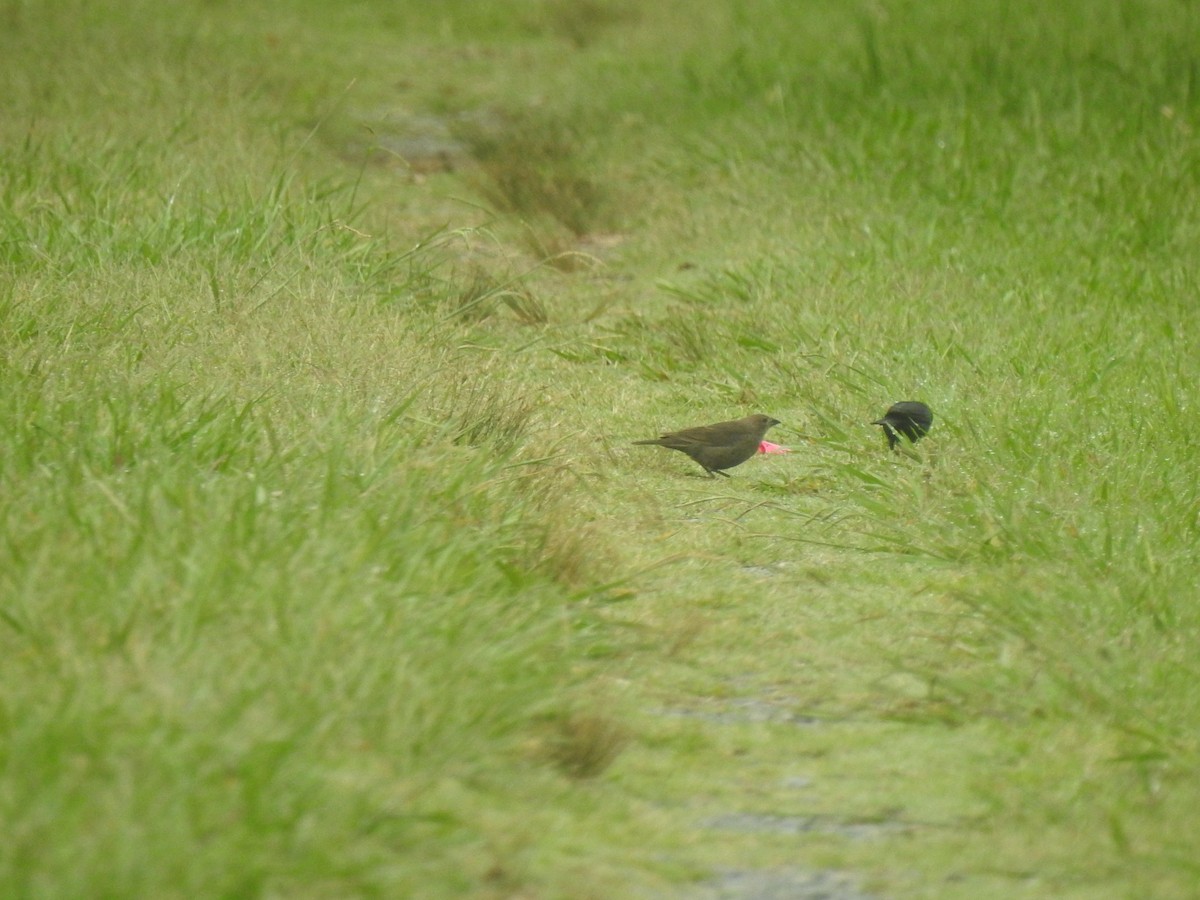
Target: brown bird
(720,446)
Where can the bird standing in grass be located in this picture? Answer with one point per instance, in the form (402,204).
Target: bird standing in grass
(909,418)
(719,446)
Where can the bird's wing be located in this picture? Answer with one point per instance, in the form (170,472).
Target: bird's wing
(692,437)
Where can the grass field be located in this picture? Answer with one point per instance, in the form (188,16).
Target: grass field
(328,568)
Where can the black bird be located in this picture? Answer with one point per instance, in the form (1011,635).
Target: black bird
(719,446)
(908,417)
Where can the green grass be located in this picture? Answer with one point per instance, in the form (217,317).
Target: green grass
(328,570)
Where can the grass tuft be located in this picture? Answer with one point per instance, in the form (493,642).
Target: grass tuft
(482,412)
(533,167)
(583,22)
(584,745)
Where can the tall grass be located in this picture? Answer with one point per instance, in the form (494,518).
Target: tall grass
(274,611)
(254,606)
